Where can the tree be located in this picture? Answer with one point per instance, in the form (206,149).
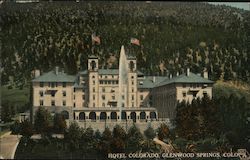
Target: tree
(72,137)
(118,141)
(150,133)
(42,120)
(163,131)
(26,129)
(15,128)
(59,123)
(104,146)
(134,139)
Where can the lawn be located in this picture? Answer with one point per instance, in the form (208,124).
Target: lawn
(227,88)
(15,96)
(52,149)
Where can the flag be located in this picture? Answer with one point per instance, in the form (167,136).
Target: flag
(135,41)
(95,39)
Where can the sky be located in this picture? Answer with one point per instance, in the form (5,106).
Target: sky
(242,5)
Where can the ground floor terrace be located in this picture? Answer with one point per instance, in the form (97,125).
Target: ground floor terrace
(114,114)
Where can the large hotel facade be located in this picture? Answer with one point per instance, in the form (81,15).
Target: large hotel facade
(94,94)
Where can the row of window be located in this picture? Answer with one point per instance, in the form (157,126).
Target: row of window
(52,93)
(53,84)
(112,90)
(123,97)
(132,77)
(107,82)
(53,103)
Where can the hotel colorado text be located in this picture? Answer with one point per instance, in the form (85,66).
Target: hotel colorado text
(141,155)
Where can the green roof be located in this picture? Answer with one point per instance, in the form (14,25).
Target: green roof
(183,78)
(53,77)
(148,81)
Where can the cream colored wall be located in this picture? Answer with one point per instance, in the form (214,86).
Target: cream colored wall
(145,94)
(130,87)
(91,86)
(79,101)
(47,98)
(189,97)
(108,87)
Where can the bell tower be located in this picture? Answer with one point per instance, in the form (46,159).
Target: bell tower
(93,63)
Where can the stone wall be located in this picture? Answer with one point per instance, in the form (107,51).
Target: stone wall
(101,125)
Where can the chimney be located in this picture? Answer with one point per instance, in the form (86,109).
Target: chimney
(177,74)
(57,70)
(188,71)
(154,79)
(170,76)
(37,73)
(205,74)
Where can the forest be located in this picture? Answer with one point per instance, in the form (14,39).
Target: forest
(172,36)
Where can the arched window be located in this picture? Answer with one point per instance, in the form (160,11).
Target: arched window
(82,116)
(131,65)
(142,115)
(103,115)
(133,116)
(65,114)
(92,116)
(152,115)
(124,115)
(113,115)
(93,65)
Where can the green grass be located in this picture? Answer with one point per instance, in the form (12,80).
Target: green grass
(15,96)
(228,88)
(51,150)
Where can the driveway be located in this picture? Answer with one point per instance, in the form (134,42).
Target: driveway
(8,145)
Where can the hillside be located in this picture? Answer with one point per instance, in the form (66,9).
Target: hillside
(227,88)
(173,36)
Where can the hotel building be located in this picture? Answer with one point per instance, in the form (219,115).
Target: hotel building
(93,94)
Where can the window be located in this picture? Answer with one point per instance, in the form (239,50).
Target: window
(83,90)
(93,97)
(133,105)
(52,85)
(41,102)
(64,103)
(132,77)
(132,97)
(64,93)
(93,82)
(103,104)
(74,104)
(204,93)
(41,93)
(93,104)
(141,97)
(184,94)
(112,76)
(52,103)
(53,94)
(74,90)
(123,105)
(64,84)
(41,84)
(93,89)
(93,76)
(103,89)
(103,97)
(132,89)
(123,97)
(83,97)
(132,82)
(113,97)
(74,97)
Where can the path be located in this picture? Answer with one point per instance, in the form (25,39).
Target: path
(8,145)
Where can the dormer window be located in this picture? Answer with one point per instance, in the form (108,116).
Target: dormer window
(141,82)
